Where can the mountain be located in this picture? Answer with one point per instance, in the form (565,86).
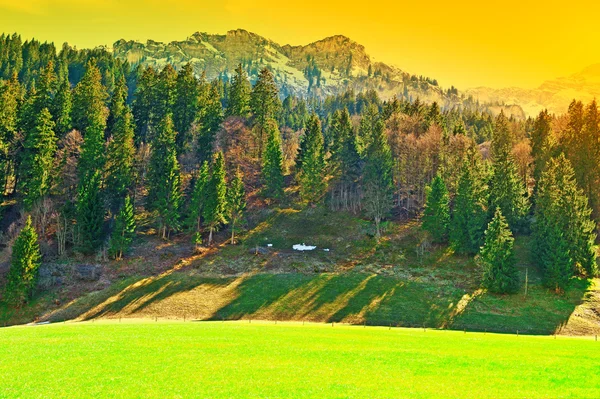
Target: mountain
(554,95)
(328,66)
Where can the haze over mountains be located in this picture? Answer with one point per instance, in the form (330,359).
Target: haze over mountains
(554,95)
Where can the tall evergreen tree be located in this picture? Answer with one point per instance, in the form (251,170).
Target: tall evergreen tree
(197,202)
(497,256)
(541,144)
(236,201)
(436,216)
(506,189)
(563,231)
(378,180)
(186,106)
(62,106)
(164,180)
(238,99)
(469,216)
(216,197)
(89,116)
(264,103)
(312,166)
(25,262)
(144,106)
(120,157)
(210,118)
(118,102)
(124,230)
(37,160)
(10,97)
(272,168)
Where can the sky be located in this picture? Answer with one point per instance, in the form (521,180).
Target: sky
(465,43)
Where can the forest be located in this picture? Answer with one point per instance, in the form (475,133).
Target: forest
(89,142)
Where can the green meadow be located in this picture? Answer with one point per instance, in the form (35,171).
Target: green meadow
(166,359)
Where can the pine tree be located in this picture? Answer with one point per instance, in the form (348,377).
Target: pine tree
(236,201)
(436,216)
(345,162)
(469,216)
(506,189)
(216,197)
(369,126)
(117,104)
(378,180)
(124,230)
(90,213)
(563,230)
(89,116)
(164,180)
(37,160)
(197,202)
(312,166)
(144,106)
(500,273)
(120,156)
(239,94)
(10,97)
(272,168)
(210,118)
(264,103)
(62,106)
(25,262)
(186,106)
(541,145)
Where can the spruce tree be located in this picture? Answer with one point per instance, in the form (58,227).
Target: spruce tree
(378,180)
(120,157)
(469,215)
(210,118)
(563,232)
(500,274)
(89,116)
(144,105)
(90,213)
(197,203)
(312,166)
(164,180)
(25,262)
(506,189)
(264,103)
(541,145)
(272,168)
(37,160)
(118,102)
(124,230)
(238,99)
(216,197)
(236,201)
(62,106)
(436,216)
(186,106)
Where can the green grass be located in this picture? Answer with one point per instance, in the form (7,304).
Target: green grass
(239,359)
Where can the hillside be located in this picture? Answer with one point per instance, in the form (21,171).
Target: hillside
(356,281)
(554,95)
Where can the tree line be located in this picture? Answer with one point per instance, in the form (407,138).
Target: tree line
(82,158)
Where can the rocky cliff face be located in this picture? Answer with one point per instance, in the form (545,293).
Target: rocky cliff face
(328,66)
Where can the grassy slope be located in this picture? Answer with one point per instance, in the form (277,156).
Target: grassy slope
(357,281)
(158,360)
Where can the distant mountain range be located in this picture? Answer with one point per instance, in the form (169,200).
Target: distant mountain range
(336,64)
(553,95)
(328,66)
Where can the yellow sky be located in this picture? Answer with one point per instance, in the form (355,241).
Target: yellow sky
(461,42)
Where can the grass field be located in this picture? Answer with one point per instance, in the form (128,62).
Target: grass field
(146,359)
